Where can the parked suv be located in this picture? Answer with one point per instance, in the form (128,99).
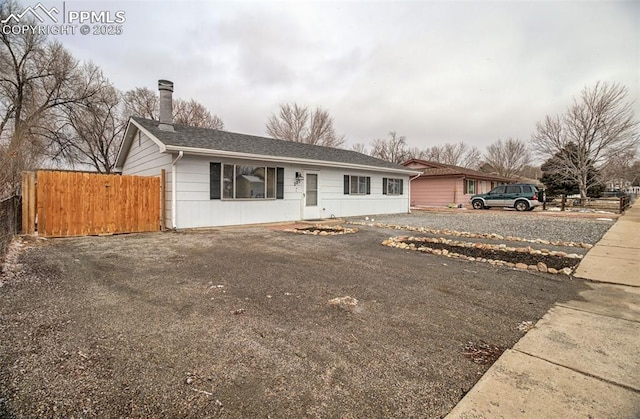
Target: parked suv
(521,196)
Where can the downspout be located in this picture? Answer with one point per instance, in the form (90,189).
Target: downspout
(174,192)
(409,194)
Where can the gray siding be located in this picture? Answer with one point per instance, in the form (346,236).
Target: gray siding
(196,209)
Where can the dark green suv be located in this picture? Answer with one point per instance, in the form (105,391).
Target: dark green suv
(521,196)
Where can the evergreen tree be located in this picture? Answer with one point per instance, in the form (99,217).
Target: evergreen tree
(558,182)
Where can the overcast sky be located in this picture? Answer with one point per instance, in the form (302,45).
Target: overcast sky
(434,72)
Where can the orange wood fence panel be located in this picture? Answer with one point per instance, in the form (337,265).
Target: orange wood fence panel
(81,204)
(28,202)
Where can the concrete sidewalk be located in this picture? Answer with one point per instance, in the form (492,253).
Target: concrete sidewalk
(582,359)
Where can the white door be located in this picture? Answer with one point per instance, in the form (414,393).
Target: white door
(311,198)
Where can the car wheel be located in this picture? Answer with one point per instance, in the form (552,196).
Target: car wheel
(477,204)
(522,206)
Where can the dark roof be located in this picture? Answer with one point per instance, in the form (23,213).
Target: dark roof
(210,139)
(442,169)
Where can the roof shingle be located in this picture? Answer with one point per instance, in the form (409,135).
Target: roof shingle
(209,139)
(430,168)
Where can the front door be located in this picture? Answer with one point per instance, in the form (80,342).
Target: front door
(311,198)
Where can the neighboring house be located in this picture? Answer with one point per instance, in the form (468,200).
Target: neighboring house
(216,178)
(445,184)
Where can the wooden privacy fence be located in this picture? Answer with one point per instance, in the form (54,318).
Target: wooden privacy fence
(80,204)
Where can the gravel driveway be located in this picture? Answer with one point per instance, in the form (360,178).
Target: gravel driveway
(237,323)
(507,223)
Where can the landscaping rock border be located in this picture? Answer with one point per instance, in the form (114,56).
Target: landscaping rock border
(422,244)
(322,230)
(467,234)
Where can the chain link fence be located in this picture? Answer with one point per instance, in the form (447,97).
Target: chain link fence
(10,222)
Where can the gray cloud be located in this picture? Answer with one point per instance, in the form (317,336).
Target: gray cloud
(432,71)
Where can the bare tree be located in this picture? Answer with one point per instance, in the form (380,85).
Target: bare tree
(195,114)
(508,157)
(619,169)
(360,148)
(634,172)
(416,153)
(37,78)
(393,149)
(145,103)
(531,171)
(457,154)
(90,133)
(600,124)
(142,102)
(298,124)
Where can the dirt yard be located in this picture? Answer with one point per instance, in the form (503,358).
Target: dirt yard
(237,323)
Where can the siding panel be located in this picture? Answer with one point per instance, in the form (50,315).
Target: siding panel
(196,209)
(436,192)
(144,159)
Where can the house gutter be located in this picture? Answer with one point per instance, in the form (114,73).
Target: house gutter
(174,191)
(409,194)
(281,159)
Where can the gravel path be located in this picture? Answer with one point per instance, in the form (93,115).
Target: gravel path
(243,323)
(505,223)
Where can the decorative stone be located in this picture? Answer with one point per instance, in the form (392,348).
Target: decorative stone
(567,271)
(552,270)
(542,267)
(521,266)
(473,235)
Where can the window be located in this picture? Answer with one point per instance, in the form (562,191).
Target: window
(392,186)
(513,189)
(214,180)
(234,181)
(357,185)
(311,190)
(497,190)
(469,186)
(280,183)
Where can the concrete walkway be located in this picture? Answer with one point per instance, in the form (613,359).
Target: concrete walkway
(582,359)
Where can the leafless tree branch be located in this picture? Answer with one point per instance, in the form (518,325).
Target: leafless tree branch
(298,124)
(509,157)
(393,149)
(598,126)
(145,103)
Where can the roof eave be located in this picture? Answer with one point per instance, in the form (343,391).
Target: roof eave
(282,159)
(466,175)
(132,128)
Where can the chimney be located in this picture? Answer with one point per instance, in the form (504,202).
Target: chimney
(166,104)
